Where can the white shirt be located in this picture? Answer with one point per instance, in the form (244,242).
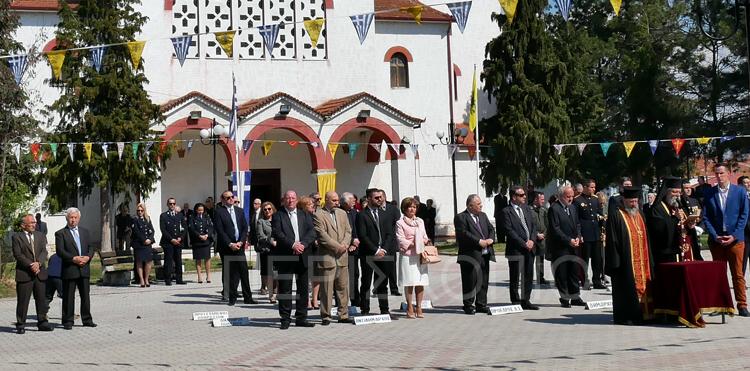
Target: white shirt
(295,225)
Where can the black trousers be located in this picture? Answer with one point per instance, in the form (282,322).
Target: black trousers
(591,253)
(69,300)
(172,260)
(475,278)
(53,284)
(24,291)
(299,272)
(521,266)
(377,269)
(237,265)
(392,276)
(566,269)
(225,279)
(354,280)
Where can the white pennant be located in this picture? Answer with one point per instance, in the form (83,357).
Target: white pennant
(17,152)
(558,148)
(581,147)
(120,148)
(104,149)
(396,147)
(452,148)
(71,148)
(375,146)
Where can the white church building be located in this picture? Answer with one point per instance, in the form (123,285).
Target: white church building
(403,85)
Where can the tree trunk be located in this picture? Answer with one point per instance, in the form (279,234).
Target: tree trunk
(2,199)
(106,208)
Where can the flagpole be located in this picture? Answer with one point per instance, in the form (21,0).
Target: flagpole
(475,97)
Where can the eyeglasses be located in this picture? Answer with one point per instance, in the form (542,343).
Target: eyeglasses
(227,197)
(268,209)
(521,194)
(171,203)
(140,210)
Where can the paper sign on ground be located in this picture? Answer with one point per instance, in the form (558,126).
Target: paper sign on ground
(228,322)
(202,316)
(505,309)
(601,304)
(368,320)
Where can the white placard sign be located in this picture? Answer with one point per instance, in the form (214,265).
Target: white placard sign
(228,322)
(505,309)
(600,304)
(202,316)
(426,304)
(368,320)
(353,311)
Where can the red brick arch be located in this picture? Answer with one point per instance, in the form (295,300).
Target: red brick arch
(381,131)
(398,49)
(184,124)
(319,158)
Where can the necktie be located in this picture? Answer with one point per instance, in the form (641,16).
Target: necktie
(333,217)
(479,226)
(523,221)
(31,242)
(77,238)
(234,223)
(377,223)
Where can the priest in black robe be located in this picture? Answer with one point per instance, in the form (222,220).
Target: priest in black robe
(628,261)
(668,226)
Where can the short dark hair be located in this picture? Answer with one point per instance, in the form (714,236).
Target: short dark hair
(742,179)
(515,189)
(369,192)
(195,208)
(587,182)
(409,201)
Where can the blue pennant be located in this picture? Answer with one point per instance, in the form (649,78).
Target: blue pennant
(362,24)
(564,6)
(246,143)
(181,46)
(460,12)
(270,33)
(97,56)
(653,144)
(18,64)
(605,147)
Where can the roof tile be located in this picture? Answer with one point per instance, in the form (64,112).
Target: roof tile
(428,14)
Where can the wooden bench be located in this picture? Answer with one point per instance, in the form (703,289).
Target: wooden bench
(117,269)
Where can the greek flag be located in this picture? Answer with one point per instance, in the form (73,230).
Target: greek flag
(246,143)
(247,202)
(181,46)
(97,56)
(18,64)
(564,6)
(362,24)
(460,12)
(270,33)
(233,117)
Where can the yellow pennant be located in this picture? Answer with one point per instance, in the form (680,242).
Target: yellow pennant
(87,147)
(313,28)
(56,59)
(226,40)
(332,147)
(629,147)
(267,147)
(136,50)
(616,4)
(415,11)
(703,140)
(509,6)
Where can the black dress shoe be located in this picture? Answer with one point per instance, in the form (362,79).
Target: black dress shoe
(483,310)
(599,286)
(365,312)
(526,305)
(578,302)
(326,322)
(744,313)
(565,303)
(250,301)
(20,330)
(181,283)
(304,324)
(543,282)
(231,302)
(168,283)
(470,311)
(68,327)
(346,320)
(90,324)
(395,293)
(44,327)
(284,325)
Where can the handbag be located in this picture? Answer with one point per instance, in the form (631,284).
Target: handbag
(430,255)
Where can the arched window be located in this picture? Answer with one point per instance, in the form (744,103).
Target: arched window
(399,71)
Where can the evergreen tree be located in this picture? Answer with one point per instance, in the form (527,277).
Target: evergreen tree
(107,106)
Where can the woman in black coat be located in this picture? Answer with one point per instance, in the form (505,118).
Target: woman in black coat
(201,230)
(142,239)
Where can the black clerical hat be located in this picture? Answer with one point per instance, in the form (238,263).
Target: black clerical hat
(631,192)
(671,182)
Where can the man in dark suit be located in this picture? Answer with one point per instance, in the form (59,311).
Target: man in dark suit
(348,206)
(173,240)
(40,225)
(74,248)
(590,216)
(501,202)
(294,233)
(231,232)
(564,239)
(520,230)
(376,250)
(30,250)
(475,236)
(393,214)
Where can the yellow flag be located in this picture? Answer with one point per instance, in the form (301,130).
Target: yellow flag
(703,140)
(473,107)
(509,6)
(415,11)
(313,28)
(616,4)
(226,40)
(136,50)
(332,147)
(56,59)
(267,147)
(87,147)
(629,147)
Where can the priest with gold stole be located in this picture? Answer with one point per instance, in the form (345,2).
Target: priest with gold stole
(628,261)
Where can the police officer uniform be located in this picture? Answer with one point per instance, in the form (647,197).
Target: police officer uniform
(142,230)
(590,217)
(172,227)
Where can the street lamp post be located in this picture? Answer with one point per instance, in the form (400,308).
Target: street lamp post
(450,140)
(212,136)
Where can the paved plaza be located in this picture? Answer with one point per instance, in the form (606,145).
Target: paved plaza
(153,329)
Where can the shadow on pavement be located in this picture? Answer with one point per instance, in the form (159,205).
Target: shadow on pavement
(577,319)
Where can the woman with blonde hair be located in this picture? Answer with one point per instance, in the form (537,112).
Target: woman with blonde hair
(412,238)
(142,242)
(266,244)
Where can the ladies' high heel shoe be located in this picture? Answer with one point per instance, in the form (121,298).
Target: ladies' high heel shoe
(410,312)
(420,314)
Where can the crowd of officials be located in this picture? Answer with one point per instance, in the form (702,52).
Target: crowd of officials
(338,248)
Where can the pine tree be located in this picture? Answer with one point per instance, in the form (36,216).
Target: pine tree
(107,106)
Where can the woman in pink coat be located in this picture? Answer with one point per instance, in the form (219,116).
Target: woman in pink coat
(412,238)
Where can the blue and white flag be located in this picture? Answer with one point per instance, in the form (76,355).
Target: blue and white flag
(181,46)
(653,144)
(362,24)
(246,143)
(727,138)
(247,202)
(460,12)
(18,64)
(270,33)
(564,6)
(148,147)
(233,114)
(235,185)
(189,145)
(97,56)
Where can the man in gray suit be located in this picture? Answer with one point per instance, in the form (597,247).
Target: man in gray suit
(74,248)
(30,250)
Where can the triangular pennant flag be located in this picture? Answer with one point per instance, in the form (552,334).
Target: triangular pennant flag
(415,11)
(120,148)
(136,50)
(87,148)
(56,59)
(313,28)
(17,152)
(629,147)
(147,149)
(270,33)
(293,143)
(558,148)
(383,151)
(104,149)
(181,47)
(135,150)
(472,151)
(267,147)
(564,6)
(677,144)
(616,4)
(71,150)
(362,24)
(396,147)
(605,147)
(18,64)
(460,12)
(35,147)
(415,150)
(53,149)
(246,143)
(190,145)
(653,144)
(452,149)
(727,138)
(226,40)
(703,140)
(581,147)
(97,56)
(332,147)
(509,6)
(375,146)
(353,150)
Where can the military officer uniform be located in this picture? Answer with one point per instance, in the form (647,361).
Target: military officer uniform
(172,227)
(590,217)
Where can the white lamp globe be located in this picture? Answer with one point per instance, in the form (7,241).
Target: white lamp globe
(205,133)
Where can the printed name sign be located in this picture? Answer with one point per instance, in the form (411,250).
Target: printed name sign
(368,320)
(229,322)
(353,311)
(202,316)
(601,304)
(426,304)
(505,309)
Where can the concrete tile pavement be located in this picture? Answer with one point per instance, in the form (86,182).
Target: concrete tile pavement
(552,338)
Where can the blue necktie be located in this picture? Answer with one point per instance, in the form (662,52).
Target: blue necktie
(77,238)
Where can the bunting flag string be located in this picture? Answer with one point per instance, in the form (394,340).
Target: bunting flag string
(509,6)
(362,24)
(87,147)
(97,56)
(629,147)
(353,150)
(415,11)
(313,28)
(226,41)
(558,148)
(564,6)
(677,143)
(605,147)
(181,47)
(460,12)
(616,4)
(136,51)
(56,59)
(270,33)
(18,64)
